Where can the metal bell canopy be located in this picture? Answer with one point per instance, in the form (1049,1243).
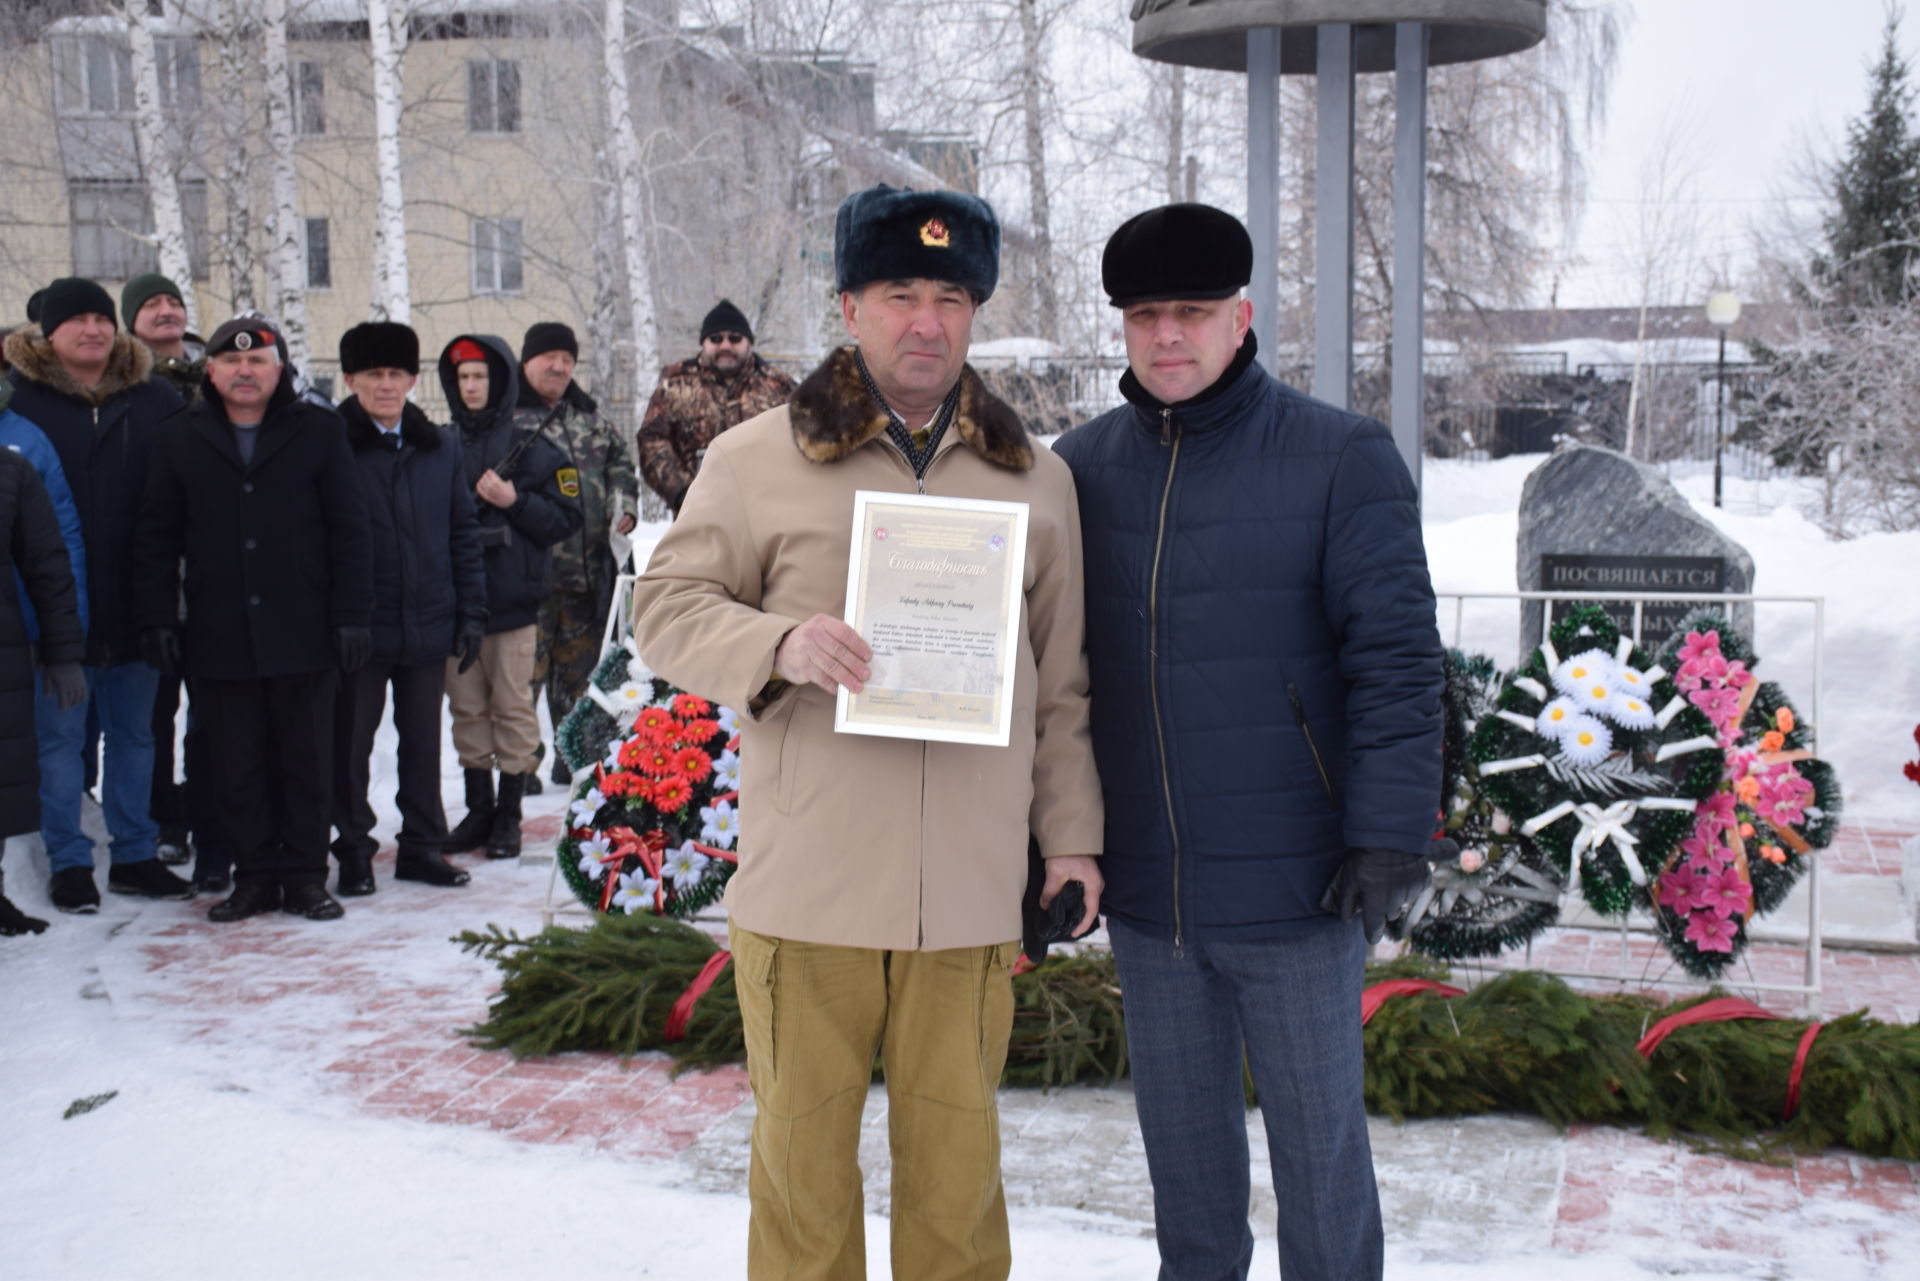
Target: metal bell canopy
(1335,41)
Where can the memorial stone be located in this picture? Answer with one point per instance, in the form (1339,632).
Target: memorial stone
(1595,518)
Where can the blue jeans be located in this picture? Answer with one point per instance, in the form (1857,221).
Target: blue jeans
(122,698)
(1293,1005)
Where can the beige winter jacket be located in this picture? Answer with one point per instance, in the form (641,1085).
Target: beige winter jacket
(846,838)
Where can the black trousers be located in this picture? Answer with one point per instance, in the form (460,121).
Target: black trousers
(195,804)
(419,696)
(270,745)
(168,799)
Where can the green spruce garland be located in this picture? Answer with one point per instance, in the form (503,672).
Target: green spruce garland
(1522,1042)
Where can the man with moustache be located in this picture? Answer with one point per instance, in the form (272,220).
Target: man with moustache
(700,397)
(253,489)
(1267,673)
(157,314)
(877,906)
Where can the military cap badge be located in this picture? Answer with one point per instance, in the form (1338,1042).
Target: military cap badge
(934,234)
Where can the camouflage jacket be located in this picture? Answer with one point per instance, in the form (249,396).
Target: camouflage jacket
(184,374)
(583,561)
(691,406)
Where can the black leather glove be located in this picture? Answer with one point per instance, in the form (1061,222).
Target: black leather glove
(466,645)
(353,645)
(160,647)
(1378,885)
(65,684)
(1039,926)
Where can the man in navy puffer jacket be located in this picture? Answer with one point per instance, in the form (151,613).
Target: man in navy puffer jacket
(1266,677)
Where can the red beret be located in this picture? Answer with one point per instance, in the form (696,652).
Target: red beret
(464,350)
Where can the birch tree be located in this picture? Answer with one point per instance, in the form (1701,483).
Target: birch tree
(236,158)
(157,160)
(1046,296)
(625,145)
(387,29)
(286,265)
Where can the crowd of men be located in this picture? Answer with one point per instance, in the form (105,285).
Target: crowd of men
(1226,705)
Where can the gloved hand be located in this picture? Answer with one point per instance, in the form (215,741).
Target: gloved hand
(65,684)
(353,645)
(160,647)
(1378,885)
(466,645)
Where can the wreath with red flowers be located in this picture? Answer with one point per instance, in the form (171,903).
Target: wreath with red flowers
(654,823)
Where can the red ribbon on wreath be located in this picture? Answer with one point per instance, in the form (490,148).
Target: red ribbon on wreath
(646,848)
(1380,993)
(1721,1009)
(1799,1067)
(682,1010)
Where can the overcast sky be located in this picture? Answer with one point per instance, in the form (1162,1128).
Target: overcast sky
(1744,86)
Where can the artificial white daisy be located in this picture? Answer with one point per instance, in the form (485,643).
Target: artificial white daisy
(686,866)
(1587,741)
(1631,710)
(1581,671)
(638,672)
(726,772)
(719,825)
(729,722)
(635,894)
(1631,680)
(1596,695)
(594,851)
(581,812)
(1556,716)
(632,696)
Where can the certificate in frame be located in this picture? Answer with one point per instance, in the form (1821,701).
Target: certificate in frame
(935,587)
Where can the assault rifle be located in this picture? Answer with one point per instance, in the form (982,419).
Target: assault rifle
(500,535)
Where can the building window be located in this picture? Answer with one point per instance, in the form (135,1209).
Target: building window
(497,266)
(93,76)
(319,247)
(179,77)
(112,229)
(309,99)
(493,96)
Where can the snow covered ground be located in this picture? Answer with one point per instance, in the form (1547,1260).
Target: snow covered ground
(223,1159)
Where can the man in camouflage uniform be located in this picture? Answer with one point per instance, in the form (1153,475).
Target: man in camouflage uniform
(156,313)
(697,399)
(575,613)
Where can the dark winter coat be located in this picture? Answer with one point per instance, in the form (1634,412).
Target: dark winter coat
(277,552)
(1265,666)
(515,539)
(427,573)
(28,441)
(31,546)
(103,438)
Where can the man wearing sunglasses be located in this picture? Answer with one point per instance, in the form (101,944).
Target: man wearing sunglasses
(699,398)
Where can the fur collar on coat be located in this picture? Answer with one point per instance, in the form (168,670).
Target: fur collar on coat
(833,415)
(363,433)
(129,364)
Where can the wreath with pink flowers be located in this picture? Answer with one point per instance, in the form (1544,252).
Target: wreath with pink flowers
(1773,806)
(654,823)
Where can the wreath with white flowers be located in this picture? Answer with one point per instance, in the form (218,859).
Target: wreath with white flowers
(1596,756)
(654,823)
(1501,889)
(1773,805)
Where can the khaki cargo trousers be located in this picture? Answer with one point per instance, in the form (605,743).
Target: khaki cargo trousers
(814,1015)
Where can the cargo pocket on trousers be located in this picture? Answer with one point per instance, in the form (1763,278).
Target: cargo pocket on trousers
(996,1012)
(756,963)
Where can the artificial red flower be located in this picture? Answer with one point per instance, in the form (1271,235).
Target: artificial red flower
(655,725)
(691,705)
(699,730)
(671,793)
(656,760)
(695,764)
(621,783)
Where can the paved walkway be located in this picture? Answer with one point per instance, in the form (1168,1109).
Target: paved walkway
(370,1008)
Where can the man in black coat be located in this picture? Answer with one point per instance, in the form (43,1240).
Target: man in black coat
(529,499)
(255,489)
(90,389)
(429,601)
(31,546)
(1265,674)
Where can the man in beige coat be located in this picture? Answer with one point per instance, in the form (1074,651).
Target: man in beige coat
(877,902)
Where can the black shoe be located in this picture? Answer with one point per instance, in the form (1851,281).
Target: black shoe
(148,879)
(472,831)
(211,876)
(429,867)
(175,847)
(311,900)
(504,840)
(561,775)
(356,874)
(249,898)
(533,786)
(14,921)
(73,891)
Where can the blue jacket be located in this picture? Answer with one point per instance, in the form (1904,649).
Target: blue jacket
(23,438)
(1266,670)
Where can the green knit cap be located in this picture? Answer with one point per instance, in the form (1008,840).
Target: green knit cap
(136,292)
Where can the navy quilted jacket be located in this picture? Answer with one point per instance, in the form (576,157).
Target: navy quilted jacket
(1266,671)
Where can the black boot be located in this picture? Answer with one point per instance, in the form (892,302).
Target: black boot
(14,921)
(356,873)
(211,872)
(429,867)
(249,898)
(471,833)
(311,900)
(504,841)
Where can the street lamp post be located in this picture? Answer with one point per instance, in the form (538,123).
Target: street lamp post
(1722,309)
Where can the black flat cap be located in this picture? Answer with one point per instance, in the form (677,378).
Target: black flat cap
(1177,251)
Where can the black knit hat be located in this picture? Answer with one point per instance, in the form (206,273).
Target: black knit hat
(546,336)
(136,293)
(725,318)
(1177,251)
(72,296)
(884,233)
(379,344)
(34,302)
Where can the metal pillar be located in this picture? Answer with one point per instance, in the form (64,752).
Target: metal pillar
(1409,241)
(1263,187)
(1333,217)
